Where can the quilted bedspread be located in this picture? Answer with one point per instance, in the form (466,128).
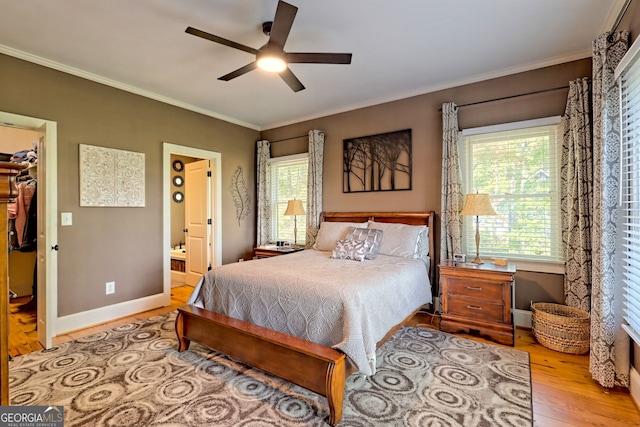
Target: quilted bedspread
(344,304)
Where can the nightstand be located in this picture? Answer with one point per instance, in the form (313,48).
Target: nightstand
(477,299)
(269,251)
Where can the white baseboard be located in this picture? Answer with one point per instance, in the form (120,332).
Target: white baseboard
(522,318)
(89,318)
(634,386)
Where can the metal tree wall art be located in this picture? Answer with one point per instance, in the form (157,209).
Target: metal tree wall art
(377,162)
(240,194)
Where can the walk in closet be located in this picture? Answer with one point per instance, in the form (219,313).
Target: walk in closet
(20,146)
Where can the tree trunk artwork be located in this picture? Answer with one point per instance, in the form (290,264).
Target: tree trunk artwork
(377,162)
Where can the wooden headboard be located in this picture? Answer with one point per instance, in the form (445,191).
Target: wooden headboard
(410,218)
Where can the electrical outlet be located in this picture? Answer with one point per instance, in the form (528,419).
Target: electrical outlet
(111,288)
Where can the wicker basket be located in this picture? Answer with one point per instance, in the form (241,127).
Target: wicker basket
(560,327)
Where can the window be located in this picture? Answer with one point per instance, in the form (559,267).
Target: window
(288,182)
(518,166)
(628,73)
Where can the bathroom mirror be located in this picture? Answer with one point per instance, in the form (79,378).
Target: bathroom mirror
(178,181)
(178,197)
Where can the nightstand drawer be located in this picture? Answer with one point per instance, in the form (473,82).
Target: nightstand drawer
(486,291)
(476,309)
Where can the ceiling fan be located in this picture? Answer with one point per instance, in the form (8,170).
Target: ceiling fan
(272,57)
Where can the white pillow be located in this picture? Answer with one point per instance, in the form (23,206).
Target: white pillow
(400,240)
(330,232)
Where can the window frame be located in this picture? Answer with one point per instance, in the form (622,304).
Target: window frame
(627,252)
(273,217)
(523,263)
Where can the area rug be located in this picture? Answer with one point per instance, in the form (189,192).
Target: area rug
(134,376)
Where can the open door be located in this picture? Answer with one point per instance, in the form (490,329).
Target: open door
(47,257)
(197,219)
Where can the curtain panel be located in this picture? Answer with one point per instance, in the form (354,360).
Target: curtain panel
(451,197)
(263,192)
(609,356)
(314,185)
(576,195)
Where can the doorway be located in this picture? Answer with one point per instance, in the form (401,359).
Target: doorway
(46,264)
(212,252)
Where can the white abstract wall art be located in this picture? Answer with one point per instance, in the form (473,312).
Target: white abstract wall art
(110,177)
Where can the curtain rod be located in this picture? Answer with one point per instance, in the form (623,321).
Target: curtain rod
(621,16)
(287,139)
(510,97)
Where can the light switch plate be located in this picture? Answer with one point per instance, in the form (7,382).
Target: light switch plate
(66,218)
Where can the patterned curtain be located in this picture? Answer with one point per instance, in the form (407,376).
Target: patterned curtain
(576,195)
(452,197)
(609,358)
(263,189)
(314,185)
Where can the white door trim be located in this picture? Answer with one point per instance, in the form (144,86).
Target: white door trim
(216,201)
(47,285)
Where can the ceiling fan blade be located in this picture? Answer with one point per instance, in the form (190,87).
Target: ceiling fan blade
(239,72)
(211,37)
(291,80)
(318,58)
(285,14)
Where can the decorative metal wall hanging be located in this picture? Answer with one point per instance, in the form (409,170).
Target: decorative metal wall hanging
(240,195)
(110,177)
(377,162)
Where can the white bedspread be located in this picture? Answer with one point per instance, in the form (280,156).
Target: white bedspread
(347,305)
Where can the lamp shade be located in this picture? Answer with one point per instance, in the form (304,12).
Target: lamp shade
(294,207)
(477,204)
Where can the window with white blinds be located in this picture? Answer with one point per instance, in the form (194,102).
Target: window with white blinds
(517,164)
(629,79)
(288,182)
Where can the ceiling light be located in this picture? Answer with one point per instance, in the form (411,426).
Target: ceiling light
(272,62)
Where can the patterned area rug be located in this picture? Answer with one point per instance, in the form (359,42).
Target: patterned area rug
(134,376)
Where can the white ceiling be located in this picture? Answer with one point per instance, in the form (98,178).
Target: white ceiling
(400,48)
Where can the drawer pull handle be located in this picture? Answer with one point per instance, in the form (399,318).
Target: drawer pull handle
(473,307)
(474,288)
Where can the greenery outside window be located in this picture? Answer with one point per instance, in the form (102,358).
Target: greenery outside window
(288,182)
(517,164)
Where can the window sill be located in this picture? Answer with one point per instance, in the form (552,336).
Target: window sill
(530,265)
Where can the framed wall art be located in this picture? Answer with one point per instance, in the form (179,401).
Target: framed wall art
(110,177)
(377,162)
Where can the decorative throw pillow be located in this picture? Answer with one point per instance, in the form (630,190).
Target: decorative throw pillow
(330,232)
(400,240)
(351,249)
(370,235)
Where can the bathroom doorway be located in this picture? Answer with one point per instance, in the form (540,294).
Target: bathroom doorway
(175,240)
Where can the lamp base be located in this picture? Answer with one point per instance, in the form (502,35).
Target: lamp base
(477,260)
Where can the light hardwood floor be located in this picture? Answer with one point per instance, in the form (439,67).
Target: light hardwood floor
(563,392)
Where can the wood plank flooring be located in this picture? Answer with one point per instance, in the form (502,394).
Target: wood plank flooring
(563,392)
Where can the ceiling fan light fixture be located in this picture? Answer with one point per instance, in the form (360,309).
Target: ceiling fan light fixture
(271,63)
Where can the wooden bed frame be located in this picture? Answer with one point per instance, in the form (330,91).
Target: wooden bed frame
(315,367)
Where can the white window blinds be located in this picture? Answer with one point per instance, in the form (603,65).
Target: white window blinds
(630,193)
(288,182)
(518,166)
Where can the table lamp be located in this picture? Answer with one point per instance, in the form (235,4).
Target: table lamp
(477,204)
(295,208)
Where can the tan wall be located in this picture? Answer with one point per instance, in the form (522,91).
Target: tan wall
(177,209)
(422,115)
(120,244)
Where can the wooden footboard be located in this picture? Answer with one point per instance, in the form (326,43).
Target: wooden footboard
(318,368)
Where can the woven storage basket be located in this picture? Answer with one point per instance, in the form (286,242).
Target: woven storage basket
(560,327)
